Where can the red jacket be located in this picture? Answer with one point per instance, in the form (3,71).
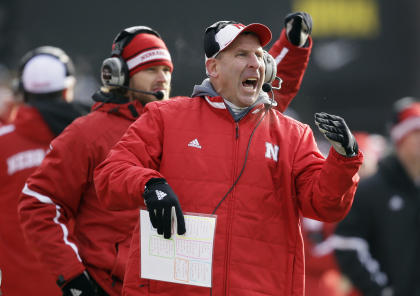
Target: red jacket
(322,276)
(60,196)
(292,62)
(258,243)
(23,145)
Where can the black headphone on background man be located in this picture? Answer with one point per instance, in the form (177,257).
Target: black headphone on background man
(55,52)
(114,70)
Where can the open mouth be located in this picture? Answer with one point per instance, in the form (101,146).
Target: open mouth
(250,83)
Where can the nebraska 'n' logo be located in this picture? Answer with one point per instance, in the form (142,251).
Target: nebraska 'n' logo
(271,151)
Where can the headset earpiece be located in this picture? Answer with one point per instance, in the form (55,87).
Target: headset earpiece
(270,67)
(114,71)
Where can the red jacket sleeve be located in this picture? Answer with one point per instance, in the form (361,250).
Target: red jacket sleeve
(120,179)
(292,62)
(49,201)
(325,191)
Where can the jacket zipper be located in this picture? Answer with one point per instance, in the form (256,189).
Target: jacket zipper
(230,208)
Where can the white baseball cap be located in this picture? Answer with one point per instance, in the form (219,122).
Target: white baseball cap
(44,74)
(222,33)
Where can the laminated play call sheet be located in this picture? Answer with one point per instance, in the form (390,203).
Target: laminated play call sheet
(185,259)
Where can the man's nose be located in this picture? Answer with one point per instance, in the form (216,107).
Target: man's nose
(254,61)
(163,76)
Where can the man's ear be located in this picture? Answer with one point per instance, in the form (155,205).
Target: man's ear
(68,92)
(211,67)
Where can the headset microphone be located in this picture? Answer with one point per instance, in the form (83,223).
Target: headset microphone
(267,87)
(159,94)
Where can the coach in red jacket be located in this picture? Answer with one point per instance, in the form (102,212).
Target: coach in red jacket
(84,245)
(226,151)
(46,81)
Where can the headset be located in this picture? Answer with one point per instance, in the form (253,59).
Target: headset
(114,70)
(55,52)
(270,73)
(270,68)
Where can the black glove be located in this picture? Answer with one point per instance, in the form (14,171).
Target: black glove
(160,199)
(298,28)
(80,286)
(335,130)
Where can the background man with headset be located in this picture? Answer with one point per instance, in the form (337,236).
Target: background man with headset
(45,81)
(225,151)
(84,245)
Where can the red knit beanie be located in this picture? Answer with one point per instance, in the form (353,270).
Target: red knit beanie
(144,51)
(407,118)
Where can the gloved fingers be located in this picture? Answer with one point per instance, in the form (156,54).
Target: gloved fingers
(307,19)
(81,283)
(321,117)
(174,222)
(166,223)
(152,217)
(335,129)
(292,16)
(330,120)
(296,21)
(293,29)
(335,137)
(326,116)
(329,128)
(159,221)
(338,122)
(304,27)
(180,220)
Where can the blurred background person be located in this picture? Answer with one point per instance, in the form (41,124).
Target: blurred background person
(323,276)
(46,81)
(377,244)
(374,147)
(8,103)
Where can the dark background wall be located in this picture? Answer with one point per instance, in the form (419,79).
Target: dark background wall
(365,55)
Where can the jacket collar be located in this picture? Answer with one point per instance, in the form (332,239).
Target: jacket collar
(116,104)
(206,90)
(130,110)
(56,113)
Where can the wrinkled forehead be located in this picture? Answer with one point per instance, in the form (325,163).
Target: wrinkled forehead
(247,41)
